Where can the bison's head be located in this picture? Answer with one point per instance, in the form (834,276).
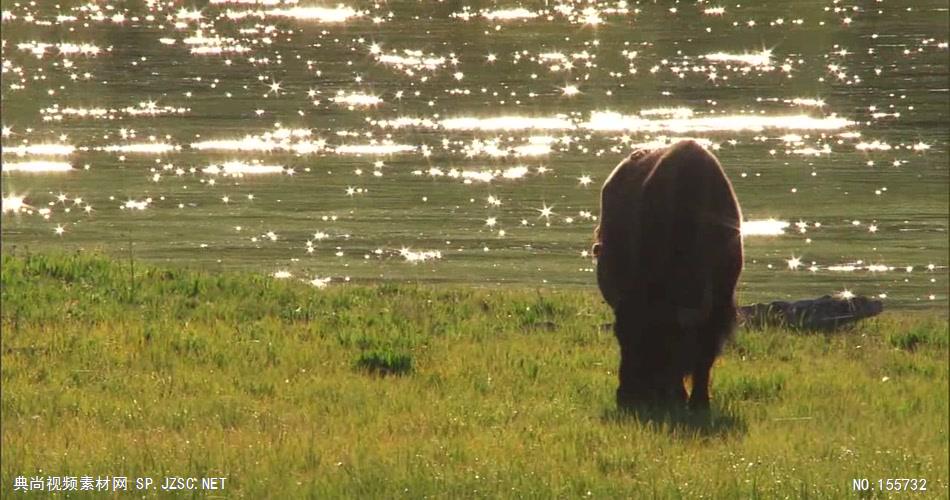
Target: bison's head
(597,245)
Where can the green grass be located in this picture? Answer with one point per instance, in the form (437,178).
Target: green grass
(454,392)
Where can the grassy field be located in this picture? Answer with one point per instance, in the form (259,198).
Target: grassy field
(451,392)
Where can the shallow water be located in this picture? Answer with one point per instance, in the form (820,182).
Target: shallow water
(452,142)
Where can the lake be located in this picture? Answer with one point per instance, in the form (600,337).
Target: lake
(467,142)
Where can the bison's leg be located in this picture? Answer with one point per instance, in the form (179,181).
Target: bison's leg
(669,358)
(630,327)
(672,392)
(710,340)
(630,392)
(679,390)
(632,389)
(704,357)
(699,399)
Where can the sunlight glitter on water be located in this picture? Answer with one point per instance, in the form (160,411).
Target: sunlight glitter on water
(472,176)
(662,142)
(843,268)
(248,143)
(763,227)
(136,204)
(145,108)
(38,49)
(37,167)
(420,256)
(413,59)
(515,172)
(852,267)
(536,146)
(240,169)
(151,108)
(215,45)
(872,146)
(800,101)
(281,139)
(763,58)
(357,99)
(214,50)
(41,149)
(141,148)
(13,203)
(810,151)
(680,112)
(54,112)
(611,121)
(507,123)
(255,2)
(537,149)
(320,14)
(509,14)
(373,149)
(454,97)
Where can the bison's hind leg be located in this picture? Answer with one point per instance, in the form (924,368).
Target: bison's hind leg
(699,398)
(678,391)
(711,337)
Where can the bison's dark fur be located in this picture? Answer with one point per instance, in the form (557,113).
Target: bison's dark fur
(669,256)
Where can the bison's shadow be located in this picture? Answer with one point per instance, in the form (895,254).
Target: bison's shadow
(715,422)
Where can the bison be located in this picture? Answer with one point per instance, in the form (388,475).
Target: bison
(669,254)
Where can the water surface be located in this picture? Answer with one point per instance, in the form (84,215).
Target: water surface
(467,142)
